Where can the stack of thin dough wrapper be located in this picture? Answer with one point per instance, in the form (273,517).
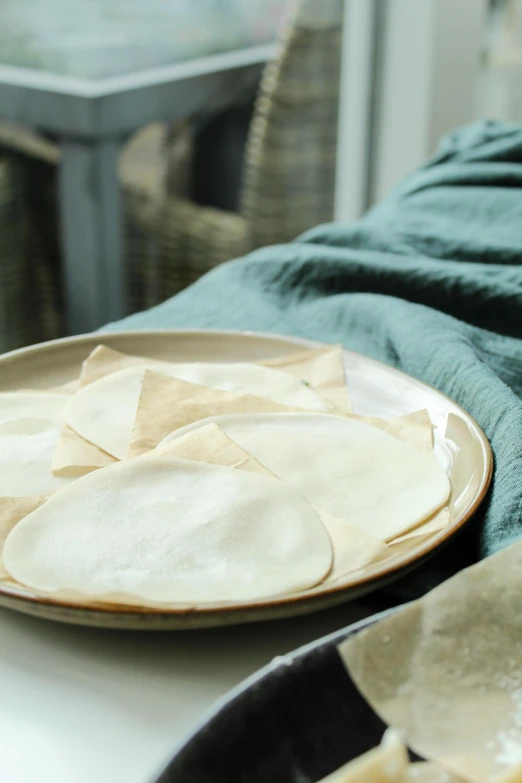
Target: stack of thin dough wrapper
(445,672)
(188,484)
(389,763)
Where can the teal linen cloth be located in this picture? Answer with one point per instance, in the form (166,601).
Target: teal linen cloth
(429,281)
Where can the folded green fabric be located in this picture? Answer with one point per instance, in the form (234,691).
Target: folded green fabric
(429,281)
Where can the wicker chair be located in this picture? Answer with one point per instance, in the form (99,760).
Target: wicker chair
(29,277)
(289,166)
(288,186)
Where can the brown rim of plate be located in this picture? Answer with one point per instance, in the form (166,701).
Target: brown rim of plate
(385,573)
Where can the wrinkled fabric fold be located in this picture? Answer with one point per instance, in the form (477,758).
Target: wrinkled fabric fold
(429,281)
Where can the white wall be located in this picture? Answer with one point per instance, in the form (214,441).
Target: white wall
(426,82)
(355,108)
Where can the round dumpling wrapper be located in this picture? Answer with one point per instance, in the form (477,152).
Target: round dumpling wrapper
(162,531)
(103,412)
(26,455)
(352,470)
(30,426)
(32,405)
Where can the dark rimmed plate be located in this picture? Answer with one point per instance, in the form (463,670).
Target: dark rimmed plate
(295,721)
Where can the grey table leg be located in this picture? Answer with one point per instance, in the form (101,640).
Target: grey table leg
(92,233)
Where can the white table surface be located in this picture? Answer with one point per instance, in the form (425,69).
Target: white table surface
(79,705)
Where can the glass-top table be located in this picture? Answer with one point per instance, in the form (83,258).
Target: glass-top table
(100,39)
(92,72)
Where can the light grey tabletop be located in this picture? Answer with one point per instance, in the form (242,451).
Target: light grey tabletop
(80,704)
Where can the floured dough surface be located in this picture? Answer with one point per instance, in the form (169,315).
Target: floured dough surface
(352,470)
(162,531)
(32,405)
(103,412)
(29,429)
(26,453)
(352,549)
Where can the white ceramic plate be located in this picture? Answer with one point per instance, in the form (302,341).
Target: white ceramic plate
(375,389)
